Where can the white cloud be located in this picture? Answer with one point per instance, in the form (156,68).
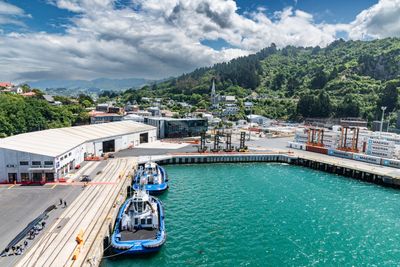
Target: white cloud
(9,9)
(379,21)
(157,39)
(9,14)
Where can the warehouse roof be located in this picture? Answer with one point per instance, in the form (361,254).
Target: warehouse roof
(55,142)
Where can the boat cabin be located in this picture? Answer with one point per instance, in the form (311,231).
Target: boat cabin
(150,168)
(140,213)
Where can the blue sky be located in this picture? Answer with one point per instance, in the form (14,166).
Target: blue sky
(49,18)
(88,39)
(332,11)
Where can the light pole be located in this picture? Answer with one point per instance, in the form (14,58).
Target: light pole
(383,115)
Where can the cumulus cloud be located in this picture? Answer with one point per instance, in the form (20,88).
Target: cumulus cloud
(379,21)
(156,39)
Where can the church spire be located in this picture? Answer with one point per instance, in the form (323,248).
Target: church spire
(213,87)
(214,101)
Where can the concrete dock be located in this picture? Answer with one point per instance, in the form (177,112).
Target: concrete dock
(85,217)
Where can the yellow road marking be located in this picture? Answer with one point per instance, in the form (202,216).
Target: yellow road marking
(53,186)
(11,186)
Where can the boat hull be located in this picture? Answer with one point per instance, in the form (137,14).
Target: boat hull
(153,189)
(136,251)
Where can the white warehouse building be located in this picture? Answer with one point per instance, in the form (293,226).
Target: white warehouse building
(46,156)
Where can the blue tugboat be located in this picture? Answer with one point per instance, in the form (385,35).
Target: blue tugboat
(154,176)
(139,228)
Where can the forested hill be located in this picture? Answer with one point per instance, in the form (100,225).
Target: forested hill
(346,78)
(19,114)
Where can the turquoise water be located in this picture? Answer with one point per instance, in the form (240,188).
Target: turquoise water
(261,214)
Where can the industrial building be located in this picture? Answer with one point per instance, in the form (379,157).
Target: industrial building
(178,128)
(46,156)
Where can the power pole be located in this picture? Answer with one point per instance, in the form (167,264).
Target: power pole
(383,115)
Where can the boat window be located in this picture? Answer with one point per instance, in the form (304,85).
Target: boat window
(143,221)
(140,207)
(149,221)
(136,221)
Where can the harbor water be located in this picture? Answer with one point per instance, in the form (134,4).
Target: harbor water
(270,214)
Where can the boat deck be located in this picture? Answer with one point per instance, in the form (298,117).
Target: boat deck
(141,234)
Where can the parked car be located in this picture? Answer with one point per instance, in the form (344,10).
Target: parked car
(86,178)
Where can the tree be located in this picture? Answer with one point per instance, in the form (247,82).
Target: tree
(278,81)
(305,105)
(323,107)
(349,107)
(83,97)
(86,103)
(319,80)
(319,106)
(389,96)
(292,85)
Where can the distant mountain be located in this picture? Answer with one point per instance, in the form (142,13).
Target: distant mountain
(101,84)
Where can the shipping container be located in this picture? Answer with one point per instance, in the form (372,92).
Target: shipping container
(380,154)
(391,163)
(380,142)
(301,146)
(367,158)
(316,149)
(340,154)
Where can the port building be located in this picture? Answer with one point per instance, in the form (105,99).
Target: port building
(177,128)
(47,156)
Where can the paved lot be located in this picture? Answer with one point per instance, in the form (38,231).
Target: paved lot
(22,204)
(260,144)
(135,152)
(269,143)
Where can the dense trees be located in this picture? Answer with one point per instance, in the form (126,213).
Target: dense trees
(349,107)
(311,105)
(19,114)
(389,96)
(319,80)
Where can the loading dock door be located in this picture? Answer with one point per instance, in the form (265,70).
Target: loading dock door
(36,177)
(144,138)
(49,177)
(109,146)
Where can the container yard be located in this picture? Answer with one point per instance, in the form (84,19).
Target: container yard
(354,143)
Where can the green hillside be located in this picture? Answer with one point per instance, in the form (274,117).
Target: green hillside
(19,114)
(348,78)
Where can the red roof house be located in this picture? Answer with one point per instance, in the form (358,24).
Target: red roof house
(6,84)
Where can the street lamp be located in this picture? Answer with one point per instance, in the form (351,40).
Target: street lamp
(383,115)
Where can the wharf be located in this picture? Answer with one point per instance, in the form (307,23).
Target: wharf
(347,167)
(88,216)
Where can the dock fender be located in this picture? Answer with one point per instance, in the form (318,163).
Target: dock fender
(106,245)
(129,191)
